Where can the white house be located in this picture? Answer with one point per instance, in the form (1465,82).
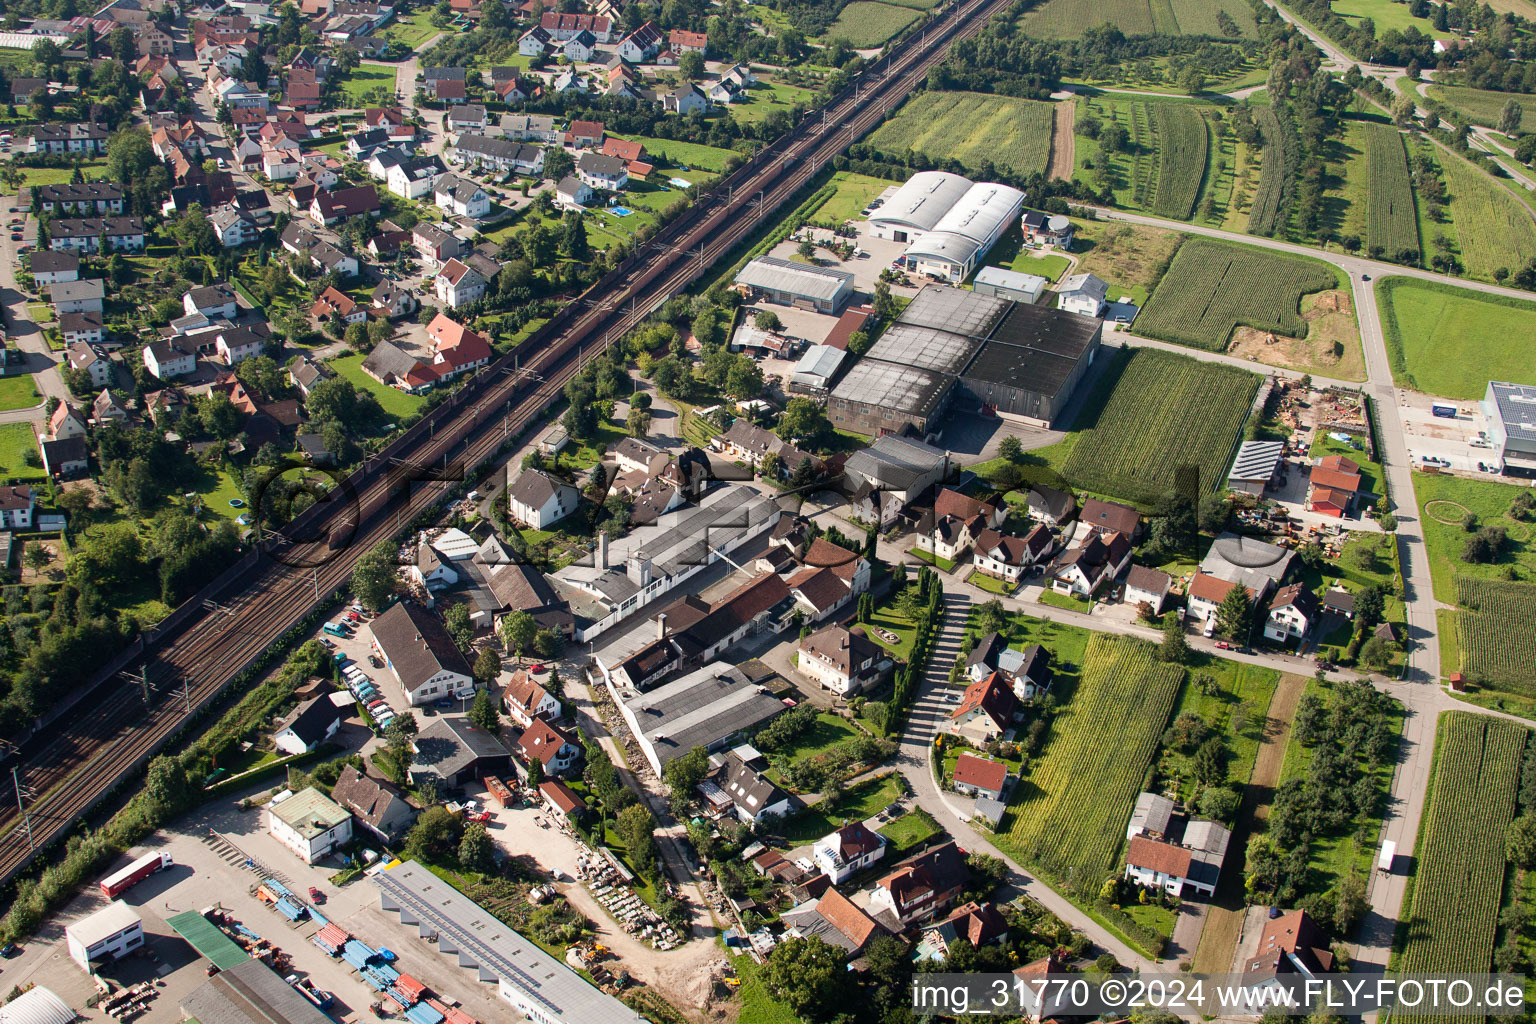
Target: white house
(1082,293)
(1150,587)
(580,47)
(755,798)
(979,776)
(112,932)
(50,268)
(78,296)
(573,193)
(239,344)
(457,285)
(524,700)
(308,725)
(1194,860)
(414,178)
(1205,594)
(310,824)
(850,849)
(534,43)
(460,197)
(641,45)
(420,655)
(538,500)
(1094,561)
(1006,557)
(165,359)
(213,301)
(602,172)
(946,537)
(838,659)
(1292,613)
(81,331)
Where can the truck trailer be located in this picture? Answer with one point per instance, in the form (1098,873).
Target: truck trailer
(119,882)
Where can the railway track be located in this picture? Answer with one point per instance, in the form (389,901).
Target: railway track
(71,767)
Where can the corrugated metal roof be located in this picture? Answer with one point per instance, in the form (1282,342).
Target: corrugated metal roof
(922,200)
(772,274)
(1000,277)
(820,361)
(205,937)
(1256,460)
(36,1006)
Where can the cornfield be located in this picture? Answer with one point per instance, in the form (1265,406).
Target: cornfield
(1264,215)
(1167,412)
(972,128)
(1184,143)
(1070,821)
(1460,855)
(1392,222)
(1497,625)
(1211,287)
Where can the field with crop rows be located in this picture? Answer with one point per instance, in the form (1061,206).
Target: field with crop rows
(1393,224)
(1264,215)
(1485,106)
(1493,229)
(1497,627)
(1069,19)
(1459,874)
(1212,286)
(1166,411)
(1068,818)
(972,127)
(1184,144)
(863,24)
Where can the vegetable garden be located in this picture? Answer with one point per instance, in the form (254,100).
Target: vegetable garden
(1167,411)
(1068,817)
(1184,142)
(1392,222)
(972,128)
(1460,869)
(1497,627)
(1212,287)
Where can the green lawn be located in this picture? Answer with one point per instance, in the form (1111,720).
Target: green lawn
(392,400)
(905,630)
(40,312)
(1451,342)
(18,392)
(856,804)
(907,831)
(1067,601)
(828,732)
(1236,710)
(413,31)
(92,169)
(757,1006)
(932,559)
(991,584)
(16,441)
(1444,497)
(364,80)
(691,154)
(853,193)
(215,489)
(1049,266)
(768,96)
(1388,15)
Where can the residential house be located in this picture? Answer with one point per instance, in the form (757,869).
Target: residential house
(524,700)
(579,48)
(1083,569)
(573,193)
(434,243)
(1082,293)
(1333,486)
(534,43)
(1040,228)
(236,344)
(452,751)
(584,135)
(390,299)
(1293,611)
(835,920)
(755,798)
(535,128)
(847,851)
(65,457)
(1291,947)
(467,117)
(420,655)
(457,284)
(561,27)
(1191,857)
(551,747)
(167,358)
(50,268)
(82,331)
(461,197)
(213,301)
(376,805)
(66,421)
(85,197)
(456,348)
(391,365)
(475,150)
(684,100)
(977,924)
(1050,506)
(365,142)
(1006,557)
(841,660)
(233,226)
(753,444)
(1339,602)
(107,408)
(17,505)
(602,172)
(980,776)
(1149,587)
(538,500)
(65,139)
(1111,517)
(304,373)
(87,296)
(307,726)
(562,799)
(415,177)
(986,710)
(310,824)
(1027,671)
(922,887)
(1204,595)
(642,44)
(334,302)
(682,41)
(330,207)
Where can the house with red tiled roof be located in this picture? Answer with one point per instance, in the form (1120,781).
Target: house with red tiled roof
(1094,561)
(986,710)
(1333,486)
(921,887)
(683,41)
(457,348)
(1189,859)
(549,746)
(980,776)
(524,700)
(833,918)
(333,302)
(562,799)
(977,924)
(1204,596)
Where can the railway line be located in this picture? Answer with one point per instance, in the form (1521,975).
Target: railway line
(68,769)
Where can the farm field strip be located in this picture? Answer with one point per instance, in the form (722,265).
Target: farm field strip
(1181,160)
(1497,630)
(1069,817)
(1391,221)
(1264,214)
(1484,106)
(864,24)
(1069,19)
(972,128)
(1494,229)
(1166,412)
(1450,341)
(1460,862)
(1211,287)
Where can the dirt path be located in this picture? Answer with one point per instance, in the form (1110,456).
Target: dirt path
(1063,142)
(1224,922)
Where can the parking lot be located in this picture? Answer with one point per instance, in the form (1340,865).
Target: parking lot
(1458,443)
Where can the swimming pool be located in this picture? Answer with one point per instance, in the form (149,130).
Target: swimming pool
(620,211)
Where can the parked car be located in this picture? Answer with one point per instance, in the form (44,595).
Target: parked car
(10,950)
(316,895)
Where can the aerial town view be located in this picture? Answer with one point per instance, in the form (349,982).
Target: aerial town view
(767,511)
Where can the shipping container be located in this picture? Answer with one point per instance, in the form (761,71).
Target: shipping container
(117,883)
(1447,412)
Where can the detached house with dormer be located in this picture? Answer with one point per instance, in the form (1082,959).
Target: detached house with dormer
(850,849)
